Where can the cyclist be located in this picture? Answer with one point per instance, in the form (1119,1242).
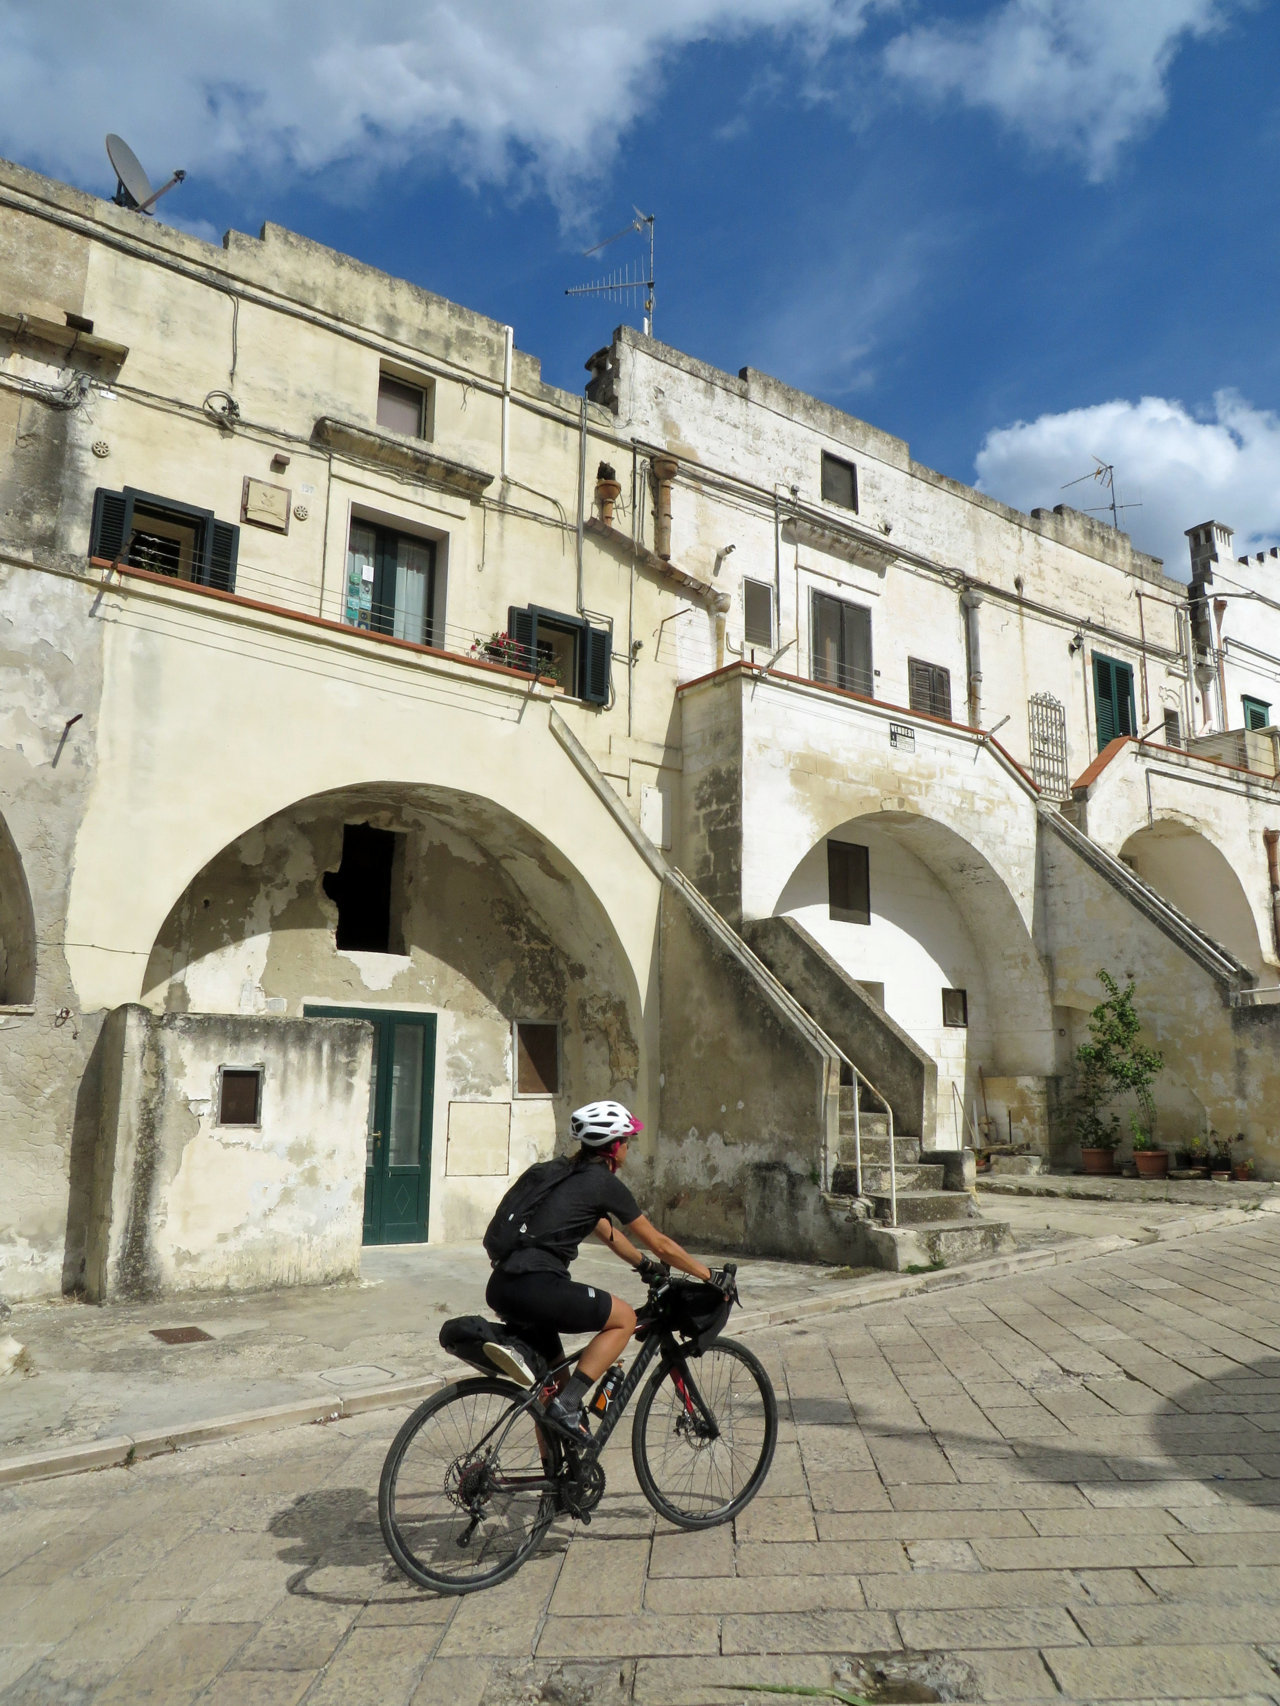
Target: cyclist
(532,1288)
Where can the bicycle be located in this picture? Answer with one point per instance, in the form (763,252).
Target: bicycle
(475,1477)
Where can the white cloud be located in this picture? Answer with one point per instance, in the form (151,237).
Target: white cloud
(1184,469)
(497,89)
(1079,75)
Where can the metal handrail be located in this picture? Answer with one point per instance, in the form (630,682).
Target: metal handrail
(965,1120)
(860,1078)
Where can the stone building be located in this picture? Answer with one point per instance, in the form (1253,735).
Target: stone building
(396,750)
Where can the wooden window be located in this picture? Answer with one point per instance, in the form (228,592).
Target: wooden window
(757,614)
(577,655)
(402,407)
(955,1008)
(391,583)
(537,1059)
(1112,698)
(1172,729)
(929,687)
(169,538)
(848,882)
(839,482)
(840,644)
(367,889)
(240,1095)
(1257,713)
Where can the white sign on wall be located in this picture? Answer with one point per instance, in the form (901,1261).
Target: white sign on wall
(903,736)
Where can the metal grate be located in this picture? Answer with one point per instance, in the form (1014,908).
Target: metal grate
(180,1335)
(1047,721)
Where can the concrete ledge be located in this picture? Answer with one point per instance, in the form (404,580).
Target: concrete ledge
(157,1441)
(93,1454)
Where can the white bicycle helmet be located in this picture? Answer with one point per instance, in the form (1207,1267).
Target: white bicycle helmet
(601,1123)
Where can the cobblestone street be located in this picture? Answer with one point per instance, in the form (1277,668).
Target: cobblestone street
(1062,1486)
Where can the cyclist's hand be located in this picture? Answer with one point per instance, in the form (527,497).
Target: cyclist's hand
(651,1272)
(726,1282)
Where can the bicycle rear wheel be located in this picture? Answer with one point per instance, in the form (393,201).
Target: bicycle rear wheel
(463,1499)
(696,1471)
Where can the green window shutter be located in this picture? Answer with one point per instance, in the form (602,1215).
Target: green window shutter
(1257,713)
(1113,699)
(222,549)
(111,525)
(597,650)
(1127,723)
(522,628)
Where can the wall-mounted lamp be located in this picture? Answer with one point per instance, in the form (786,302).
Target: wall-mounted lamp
(1075,643)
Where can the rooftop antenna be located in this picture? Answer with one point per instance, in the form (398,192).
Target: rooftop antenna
(1105,474)
(133,187)
(626,282)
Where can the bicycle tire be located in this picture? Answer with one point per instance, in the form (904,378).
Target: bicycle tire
(423,1479)
(663,1447)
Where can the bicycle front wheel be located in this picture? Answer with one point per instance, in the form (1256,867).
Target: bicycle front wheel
(464,1497)
(700,1463)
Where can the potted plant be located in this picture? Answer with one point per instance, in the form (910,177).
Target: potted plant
(500,647)
(1245,1170)
(1221,1160)
(1114,1062)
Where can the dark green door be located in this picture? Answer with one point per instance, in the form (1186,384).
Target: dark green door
(397,1174)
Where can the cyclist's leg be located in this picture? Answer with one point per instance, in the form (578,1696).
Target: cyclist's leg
(608,1344)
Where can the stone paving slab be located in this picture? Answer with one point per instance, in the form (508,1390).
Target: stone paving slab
(1119,1561)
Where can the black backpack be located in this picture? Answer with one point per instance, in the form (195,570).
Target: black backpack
(508,1231)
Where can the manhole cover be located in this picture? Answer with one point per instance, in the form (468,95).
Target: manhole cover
(180,1335)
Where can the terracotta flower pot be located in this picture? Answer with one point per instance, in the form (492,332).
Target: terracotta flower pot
(1244,1174)
(1221,1173)
(1152,1163)
(1098,1160)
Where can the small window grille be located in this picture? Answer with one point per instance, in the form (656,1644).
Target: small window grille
(955,1008)
(1047,723)
(1172,729)
(240,1095)
(757,614)
(537,1059)
(839,482)
(848,882)
(929,687)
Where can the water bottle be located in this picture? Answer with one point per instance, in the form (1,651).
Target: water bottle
(609,1384)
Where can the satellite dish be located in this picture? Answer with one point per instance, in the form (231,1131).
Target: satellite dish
(133,187)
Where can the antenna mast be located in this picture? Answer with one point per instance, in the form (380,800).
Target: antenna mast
(1105,475)
(626,282)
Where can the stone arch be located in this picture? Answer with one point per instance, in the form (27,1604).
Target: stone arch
(1181,863)
(942,917)
(17,927)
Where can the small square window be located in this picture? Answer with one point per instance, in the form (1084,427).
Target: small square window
(757,613)
(955,1008)
(1257,713)
(929,688)
(839,482)
(402,407)
(848,882)
(1172,729)
(537,1059)
(240,1095)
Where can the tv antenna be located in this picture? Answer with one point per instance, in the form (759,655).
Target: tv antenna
(133,187)
(625,283)
(1105,475)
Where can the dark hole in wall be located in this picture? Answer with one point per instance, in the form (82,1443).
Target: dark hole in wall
(363,889)
(537,1059)
(240,1096)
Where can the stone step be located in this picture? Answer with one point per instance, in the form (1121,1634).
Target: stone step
(917,1208)
(875,1178)
(872,1125)
(939,1243)
(875,1151)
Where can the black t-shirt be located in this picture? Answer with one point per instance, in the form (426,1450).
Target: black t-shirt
(569,1215)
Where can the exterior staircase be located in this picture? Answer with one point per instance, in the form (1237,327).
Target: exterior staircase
(939,1223)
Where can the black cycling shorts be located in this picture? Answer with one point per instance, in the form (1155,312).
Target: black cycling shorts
(549,1304)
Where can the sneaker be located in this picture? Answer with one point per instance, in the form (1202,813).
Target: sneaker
(509,1361)
(572,1424)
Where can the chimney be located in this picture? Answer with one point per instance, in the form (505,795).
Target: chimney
(1210,543)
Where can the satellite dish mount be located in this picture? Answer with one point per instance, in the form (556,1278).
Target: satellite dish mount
(133,187)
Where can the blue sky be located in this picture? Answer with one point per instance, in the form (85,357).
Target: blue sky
(1018,233)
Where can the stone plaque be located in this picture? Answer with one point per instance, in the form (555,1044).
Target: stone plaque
(265,505)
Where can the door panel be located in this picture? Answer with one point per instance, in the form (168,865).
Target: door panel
(398,1141)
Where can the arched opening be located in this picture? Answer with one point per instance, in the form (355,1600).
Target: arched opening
(17,928)
(939,943)
(1184,866)
(463,937)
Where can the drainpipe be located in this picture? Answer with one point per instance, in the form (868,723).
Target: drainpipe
(969,602)
(1271,839)
(664,472)
(508,337)
(582,494)
(1219,611)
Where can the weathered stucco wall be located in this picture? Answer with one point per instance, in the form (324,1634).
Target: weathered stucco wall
(182,1203)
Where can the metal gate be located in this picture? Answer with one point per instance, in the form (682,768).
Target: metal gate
(1047,720)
